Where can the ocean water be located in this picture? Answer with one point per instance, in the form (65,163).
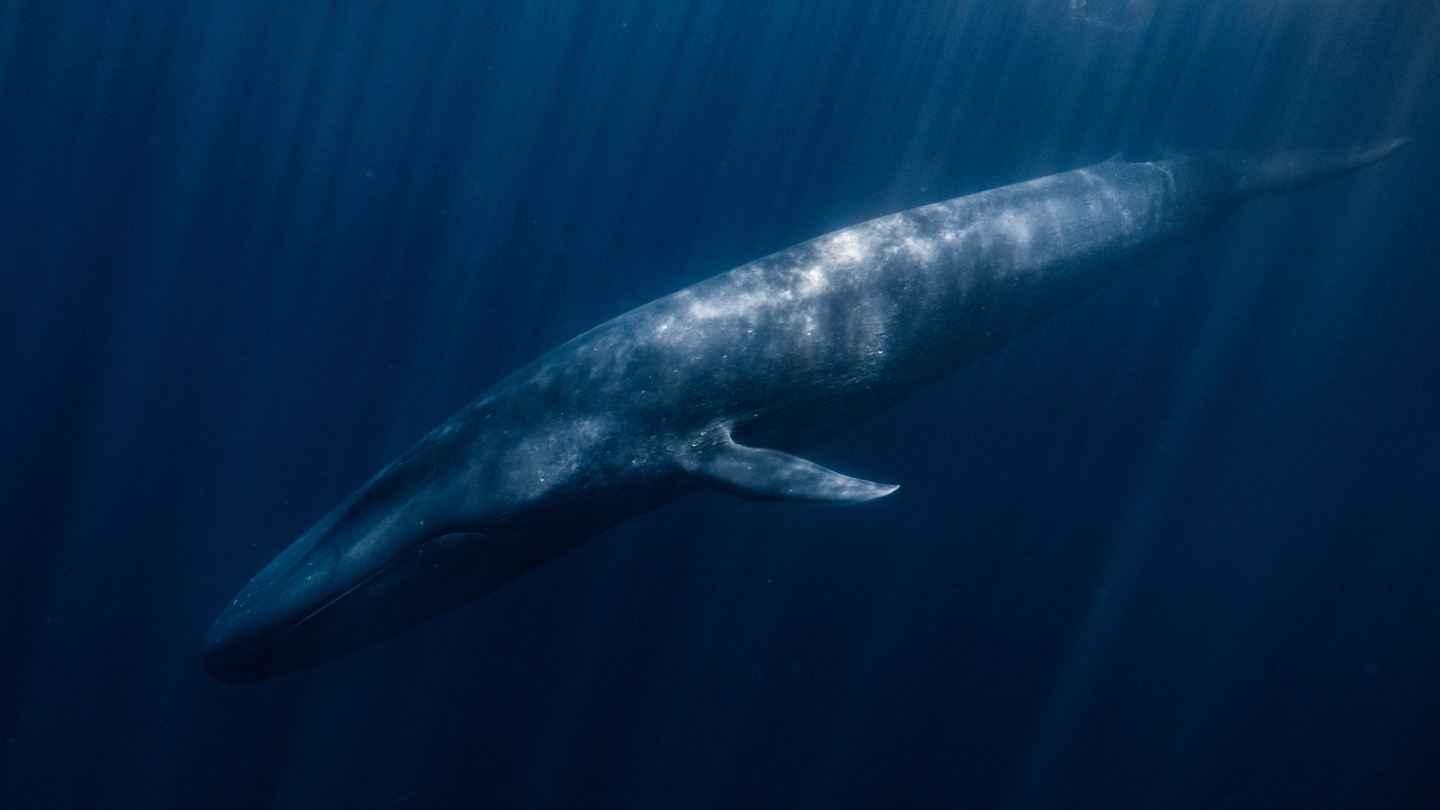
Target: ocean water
(1179,547)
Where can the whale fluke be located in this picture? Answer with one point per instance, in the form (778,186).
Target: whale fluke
(1290,170)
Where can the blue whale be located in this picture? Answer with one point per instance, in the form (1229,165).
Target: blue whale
(721,384)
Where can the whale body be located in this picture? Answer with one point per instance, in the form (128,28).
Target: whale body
(721,384)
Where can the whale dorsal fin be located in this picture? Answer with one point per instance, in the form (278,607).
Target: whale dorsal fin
(770,475)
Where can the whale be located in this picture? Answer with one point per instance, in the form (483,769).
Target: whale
(724,384)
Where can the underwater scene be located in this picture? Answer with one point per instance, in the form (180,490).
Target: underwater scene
(1005,404)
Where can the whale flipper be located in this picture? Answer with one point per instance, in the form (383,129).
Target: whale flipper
(770,475)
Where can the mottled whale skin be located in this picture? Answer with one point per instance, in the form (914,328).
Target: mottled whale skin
(719,384)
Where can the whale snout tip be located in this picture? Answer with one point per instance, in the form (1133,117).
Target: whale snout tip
(231,654)
(223,658)
(253,638)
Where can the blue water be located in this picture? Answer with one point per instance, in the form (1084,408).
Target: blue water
(1177,548)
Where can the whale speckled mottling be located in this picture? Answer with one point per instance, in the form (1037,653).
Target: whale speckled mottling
(720,384)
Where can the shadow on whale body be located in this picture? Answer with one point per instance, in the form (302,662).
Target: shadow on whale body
(717,385)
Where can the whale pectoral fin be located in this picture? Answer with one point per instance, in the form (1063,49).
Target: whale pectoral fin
(770,475)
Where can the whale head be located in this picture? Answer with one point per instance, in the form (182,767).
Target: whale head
(465,511)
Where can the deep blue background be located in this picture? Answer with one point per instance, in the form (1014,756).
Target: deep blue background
(1180,547)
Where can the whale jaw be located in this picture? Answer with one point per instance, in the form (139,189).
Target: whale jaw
(291,630)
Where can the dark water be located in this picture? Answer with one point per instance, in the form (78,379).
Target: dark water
(1180,547)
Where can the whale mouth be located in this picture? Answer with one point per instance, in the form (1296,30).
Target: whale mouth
(292,632)
(279,624)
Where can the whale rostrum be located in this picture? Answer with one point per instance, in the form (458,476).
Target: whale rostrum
(722,384)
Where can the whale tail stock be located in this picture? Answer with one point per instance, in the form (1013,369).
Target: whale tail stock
(1286,171)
